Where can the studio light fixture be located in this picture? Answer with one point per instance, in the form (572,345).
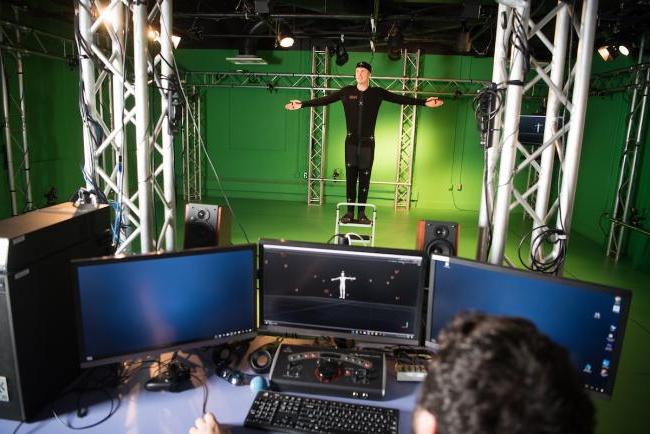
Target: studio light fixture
(286,41)
(624,50)
(394,40)
(611,51)
(109,16)
(154,36)
(341,53)
(285,38)
(608,52)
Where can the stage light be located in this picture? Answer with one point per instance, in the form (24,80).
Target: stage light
(176,40)
(153,34)
(463,40)
(394,41)
(608,52)
(285,40)
(341,53)
(623,50)
(109,16)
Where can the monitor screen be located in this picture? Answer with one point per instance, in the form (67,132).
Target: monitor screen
(368,294)
(585,318)
(139,306)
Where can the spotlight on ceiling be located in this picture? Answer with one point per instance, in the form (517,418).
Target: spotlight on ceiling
(341,53)
(463,40)
(394,40)
(608,52)
(285,38)
(153,34)
(624,50)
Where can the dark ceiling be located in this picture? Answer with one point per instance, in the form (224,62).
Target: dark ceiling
(442,27)
(435,26)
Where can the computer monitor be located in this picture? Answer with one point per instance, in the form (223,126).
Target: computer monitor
(368,294)
(585,318)
(144,305)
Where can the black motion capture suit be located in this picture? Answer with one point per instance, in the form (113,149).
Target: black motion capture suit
(361,110)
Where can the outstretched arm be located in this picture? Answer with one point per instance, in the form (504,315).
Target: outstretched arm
(327,99)
(432,101)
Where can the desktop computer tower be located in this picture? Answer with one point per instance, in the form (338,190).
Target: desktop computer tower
(38,339)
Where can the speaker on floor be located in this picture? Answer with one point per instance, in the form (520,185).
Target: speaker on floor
(206,225)
(437,237)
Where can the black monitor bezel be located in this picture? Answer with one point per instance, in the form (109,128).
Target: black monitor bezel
(153,352)
(428,340)
(309,332)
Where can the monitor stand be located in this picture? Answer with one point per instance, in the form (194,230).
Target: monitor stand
(175,377)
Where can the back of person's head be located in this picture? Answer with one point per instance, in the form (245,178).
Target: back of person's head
(501,375)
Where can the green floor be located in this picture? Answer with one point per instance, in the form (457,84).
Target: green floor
(625,413)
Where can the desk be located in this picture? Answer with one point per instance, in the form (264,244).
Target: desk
(143,412)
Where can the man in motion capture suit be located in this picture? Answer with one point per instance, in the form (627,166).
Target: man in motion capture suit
(361,106)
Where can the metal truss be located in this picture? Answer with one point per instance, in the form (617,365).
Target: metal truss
(563,140)
(106,142)
(499,75)
(618,80)
(408,113)
(317,127)
(272,81)
(192,156)
(628,172)
(11,141)
(25,40)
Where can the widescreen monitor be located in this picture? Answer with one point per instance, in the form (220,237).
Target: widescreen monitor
(363,293)
(585,318)
(144,305)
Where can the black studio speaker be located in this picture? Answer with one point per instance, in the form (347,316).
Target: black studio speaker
(437,237)
(206,225)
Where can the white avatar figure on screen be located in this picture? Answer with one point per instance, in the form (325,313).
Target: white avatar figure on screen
(342,278)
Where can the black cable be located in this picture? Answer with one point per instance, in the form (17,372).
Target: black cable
(114,406)
(204,385)
(205,150)
(18,426)
(555,237)
(335,236)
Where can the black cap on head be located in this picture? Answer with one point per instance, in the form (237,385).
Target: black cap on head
(365,65)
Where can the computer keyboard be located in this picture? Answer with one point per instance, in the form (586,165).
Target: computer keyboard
(273,411)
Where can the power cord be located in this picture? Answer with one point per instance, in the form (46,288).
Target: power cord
(174,66)
(555,237)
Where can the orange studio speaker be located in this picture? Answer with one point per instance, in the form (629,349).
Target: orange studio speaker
(437,237)
(206,225)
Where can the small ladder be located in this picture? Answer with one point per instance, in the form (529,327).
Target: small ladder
(353,238)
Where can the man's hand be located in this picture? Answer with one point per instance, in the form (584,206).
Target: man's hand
(294,104)
(208,425)
(433,102)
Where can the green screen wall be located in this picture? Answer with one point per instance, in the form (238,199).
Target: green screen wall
(260,150)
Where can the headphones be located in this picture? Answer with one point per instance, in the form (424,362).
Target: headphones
(225,356)
(261,359)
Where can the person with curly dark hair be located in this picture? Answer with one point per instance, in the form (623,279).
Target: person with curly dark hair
(493,375)
(501,375)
